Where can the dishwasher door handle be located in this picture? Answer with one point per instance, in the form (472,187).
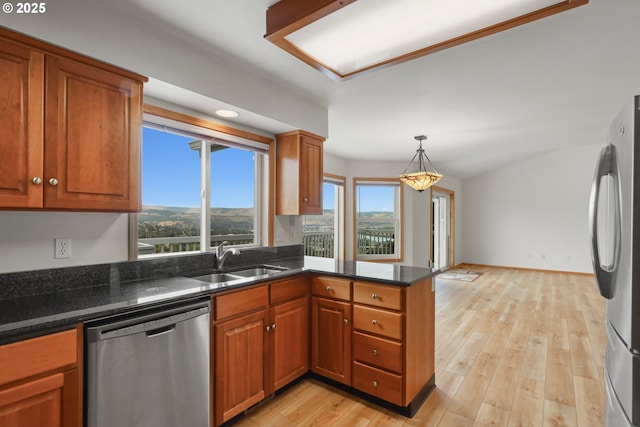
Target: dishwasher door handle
(161,331)
(151,324)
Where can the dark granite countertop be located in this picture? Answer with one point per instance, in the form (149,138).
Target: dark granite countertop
(380,272)
(28,315)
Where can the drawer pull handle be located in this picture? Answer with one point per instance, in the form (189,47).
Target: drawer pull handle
(328,288)
(375,352)
(374,296)
(375,383)
(374,322)
(346,321)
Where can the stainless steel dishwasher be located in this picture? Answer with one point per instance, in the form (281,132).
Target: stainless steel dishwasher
(149,369)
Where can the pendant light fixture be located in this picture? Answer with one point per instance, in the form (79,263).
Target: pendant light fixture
(421,179)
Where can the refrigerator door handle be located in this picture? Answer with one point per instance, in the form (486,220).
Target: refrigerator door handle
(605,275)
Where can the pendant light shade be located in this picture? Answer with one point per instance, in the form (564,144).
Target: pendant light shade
(421,179)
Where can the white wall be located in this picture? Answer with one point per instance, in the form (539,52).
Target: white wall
(27,239)
(532,214)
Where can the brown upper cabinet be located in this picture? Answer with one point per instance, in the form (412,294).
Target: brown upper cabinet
(70,130)
(299,173)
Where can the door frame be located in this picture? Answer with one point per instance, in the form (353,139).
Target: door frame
(452,228)
(341,181)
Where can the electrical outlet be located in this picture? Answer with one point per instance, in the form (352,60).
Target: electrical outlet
(63,248)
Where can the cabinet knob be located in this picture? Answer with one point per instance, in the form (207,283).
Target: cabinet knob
(374,296)
(375,383)
(375,352)
(306,199)
(53,182)
(345,321)
(328,288)
(37,180)
(268,328)
(273,326)
(374,322)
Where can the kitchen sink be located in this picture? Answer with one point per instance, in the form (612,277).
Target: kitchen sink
(259,271)
(219,277)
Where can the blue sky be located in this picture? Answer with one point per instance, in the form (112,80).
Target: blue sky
(375,198)
(171,173)
(171,177)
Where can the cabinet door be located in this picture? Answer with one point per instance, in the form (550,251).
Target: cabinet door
(311,176)
(290,341)
(36,403)
(239,364)
(21,100)
(92,138)
(331,339)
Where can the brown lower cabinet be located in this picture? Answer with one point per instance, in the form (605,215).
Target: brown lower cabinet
(261,343)
(289,342)
(331,335)
(44,385)
(379,339)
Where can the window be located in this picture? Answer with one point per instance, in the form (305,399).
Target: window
(199,189)
(323,235)
(378,219)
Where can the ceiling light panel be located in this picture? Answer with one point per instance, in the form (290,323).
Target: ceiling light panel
(363,34)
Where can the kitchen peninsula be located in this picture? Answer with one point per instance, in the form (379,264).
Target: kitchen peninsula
(364,327)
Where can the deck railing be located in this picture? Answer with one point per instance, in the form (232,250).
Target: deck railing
(157,245)
(376,242)
(316,243)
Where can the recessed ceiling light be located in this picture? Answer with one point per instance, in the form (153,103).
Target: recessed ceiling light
(227,113)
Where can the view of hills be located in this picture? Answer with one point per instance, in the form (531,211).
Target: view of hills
(172,221)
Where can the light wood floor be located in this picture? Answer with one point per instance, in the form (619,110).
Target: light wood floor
(514,348)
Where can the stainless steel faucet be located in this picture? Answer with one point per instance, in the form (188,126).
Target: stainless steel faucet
(220,249)
(222,254)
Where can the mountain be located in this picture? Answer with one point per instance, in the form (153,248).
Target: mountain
(369,220)
(173,221)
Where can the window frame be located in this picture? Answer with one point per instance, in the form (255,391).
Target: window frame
(264,218)
(340,182)
(398,256)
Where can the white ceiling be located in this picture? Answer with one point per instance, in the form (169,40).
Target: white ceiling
(544,86)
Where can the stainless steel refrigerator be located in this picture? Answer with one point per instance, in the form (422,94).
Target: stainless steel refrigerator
(614,215)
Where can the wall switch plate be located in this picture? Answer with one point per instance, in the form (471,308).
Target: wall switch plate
(63,248)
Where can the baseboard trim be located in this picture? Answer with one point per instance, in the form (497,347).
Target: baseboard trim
(539,270)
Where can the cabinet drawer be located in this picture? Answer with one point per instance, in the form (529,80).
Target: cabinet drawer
(376,321)
(38,355)
(379,383)
(377,351)
(331,287)
(288,290)
(378,295)
(240,302)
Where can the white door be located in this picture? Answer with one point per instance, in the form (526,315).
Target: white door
(441,230)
